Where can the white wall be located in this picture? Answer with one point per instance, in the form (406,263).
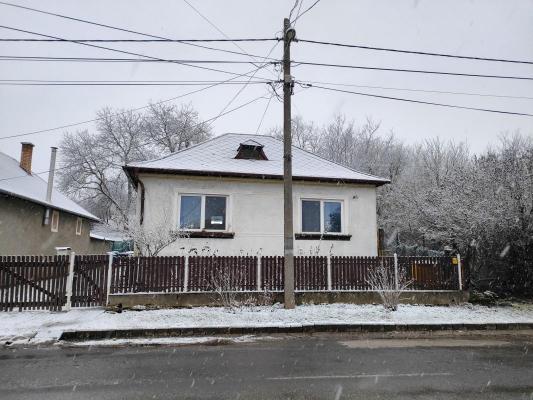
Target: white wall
(255,214)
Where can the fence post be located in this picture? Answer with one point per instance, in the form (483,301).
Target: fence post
(328,264)
(186,275)
(258,273)
(459,271)
(396,287)
(70,281)
(109,276)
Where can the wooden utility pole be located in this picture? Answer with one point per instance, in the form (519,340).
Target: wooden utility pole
(288,236)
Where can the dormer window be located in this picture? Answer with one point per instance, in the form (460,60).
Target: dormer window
(251,150)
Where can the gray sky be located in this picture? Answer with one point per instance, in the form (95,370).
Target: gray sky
(485,28)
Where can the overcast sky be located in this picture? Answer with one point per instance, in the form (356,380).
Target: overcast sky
(484,28)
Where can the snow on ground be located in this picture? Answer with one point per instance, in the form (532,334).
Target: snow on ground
(174,341)
(36,327)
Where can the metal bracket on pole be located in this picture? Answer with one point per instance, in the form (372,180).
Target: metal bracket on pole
(396,276)
(70,281)
(109,277)
(459,272)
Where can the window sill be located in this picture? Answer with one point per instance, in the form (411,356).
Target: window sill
(321,236)
(209,234)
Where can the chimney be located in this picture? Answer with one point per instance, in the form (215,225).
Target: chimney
(25,156)
(51,172)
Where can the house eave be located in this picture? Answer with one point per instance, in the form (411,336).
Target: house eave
(49,205)
(133,172)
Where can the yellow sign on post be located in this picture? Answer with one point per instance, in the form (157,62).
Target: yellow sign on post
(455,261)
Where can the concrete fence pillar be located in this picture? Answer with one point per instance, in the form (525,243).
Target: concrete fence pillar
(396,276)
(109,276)
(459,272)
(258,274)
(70,281)
(328,266)
(186,274)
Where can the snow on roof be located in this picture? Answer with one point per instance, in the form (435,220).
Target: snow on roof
(218,156)
(106,232)
(33,188)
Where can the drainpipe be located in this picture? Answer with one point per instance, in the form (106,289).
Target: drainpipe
(50,186)
(141,217)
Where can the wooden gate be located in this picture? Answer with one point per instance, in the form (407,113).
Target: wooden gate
(33,282)
(89,285)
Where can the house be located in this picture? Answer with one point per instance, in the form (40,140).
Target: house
(35,219)
(227,194)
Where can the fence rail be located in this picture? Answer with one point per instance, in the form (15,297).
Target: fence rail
(38,282)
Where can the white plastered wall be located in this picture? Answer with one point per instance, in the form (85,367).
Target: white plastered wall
(255,215)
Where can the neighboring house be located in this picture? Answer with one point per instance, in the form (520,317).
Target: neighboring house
(33,224)
(227,193)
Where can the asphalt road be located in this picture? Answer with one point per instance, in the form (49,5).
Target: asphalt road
(317,367)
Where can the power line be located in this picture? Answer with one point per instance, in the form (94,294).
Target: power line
(3,83)
(122,51)
(236,45)
(419,90)
(412,71)
(302,14)
(139,40)
(112,27)
(185,82)
(414,101)
(120,113)
(423,53)
(246,84)
(219,30)
(264,113)
(127,60)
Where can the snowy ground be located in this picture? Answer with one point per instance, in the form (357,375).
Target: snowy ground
(36,327)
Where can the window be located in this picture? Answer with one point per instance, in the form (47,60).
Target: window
(79,224)
(54,226)
(321,216)
(203,212)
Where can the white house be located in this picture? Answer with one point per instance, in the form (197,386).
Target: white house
(227,193)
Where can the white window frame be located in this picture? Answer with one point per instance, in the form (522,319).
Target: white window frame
(202,212)
(79,226)
(56,227)
(322,201)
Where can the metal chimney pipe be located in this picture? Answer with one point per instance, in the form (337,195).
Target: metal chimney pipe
(51,172)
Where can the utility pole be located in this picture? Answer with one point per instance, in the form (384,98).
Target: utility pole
(288,236)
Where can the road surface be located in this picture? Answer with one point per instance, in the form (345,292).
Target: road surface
(307,367)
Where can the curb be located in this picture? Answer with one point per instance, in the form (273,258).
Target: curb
(251,330)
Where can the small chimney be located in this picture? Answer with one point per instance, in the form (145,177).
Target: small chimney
(25,156)
(51,172)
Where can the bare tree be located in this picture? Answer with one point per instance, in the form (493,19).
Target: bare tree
(173,128)
(305,135)
(91,163)
(150,240)
(383,280)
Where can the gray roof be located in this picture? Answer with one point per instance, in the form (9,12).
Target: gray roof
(217,156)
(33,188)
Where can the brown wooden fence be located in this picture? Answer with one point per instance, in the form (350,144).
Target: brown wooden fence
(351,273)
(310,273)
(147,274)
(37,282)
(89,285)
(33,282)
(207,273)
(430,273)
